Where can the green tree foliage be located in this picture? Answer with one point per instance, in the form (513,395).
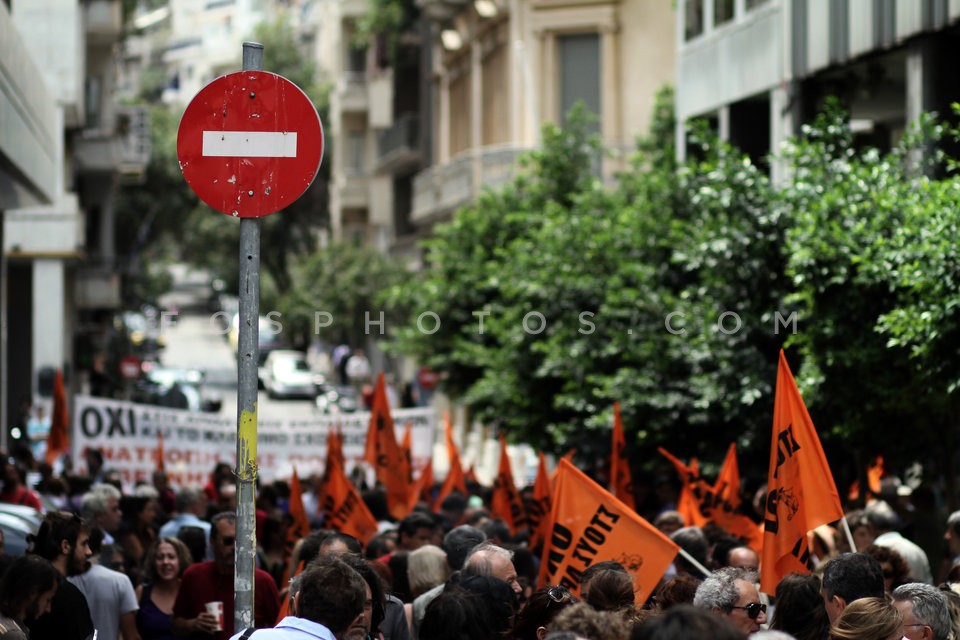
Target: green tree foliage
(859,245)
(341,283)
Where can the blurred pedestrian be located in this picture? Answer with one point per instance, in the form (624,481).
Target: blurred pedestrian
(26,590)
(163,565)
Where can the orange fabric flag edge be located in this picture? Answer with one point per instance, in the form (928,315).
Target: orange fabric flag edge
(614,531)
(538,509)
(505,501)
(801,493)
(344,509)
(455,480)
(58,440)
(621,482)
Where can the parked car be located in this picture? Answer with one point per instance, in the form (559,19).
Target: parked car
(17,522)
(177,389)
(286,374)
(334,399)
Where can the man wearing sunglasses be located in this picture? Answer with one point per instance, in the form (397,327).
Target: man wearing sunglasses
(731,592)
(212,581)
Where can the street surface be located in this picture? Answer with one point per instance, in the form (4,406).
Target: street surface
(195,340)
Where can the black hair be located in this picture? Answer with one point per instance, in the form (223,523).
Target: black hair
(24,580)
(852,576)
(56,527)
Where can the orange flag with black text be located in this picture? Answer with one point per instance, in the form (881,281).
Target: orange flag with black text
(505,501)
(801,494)
(538,508)
(344,509)
(384,454)
(589,524)
(455,480)
(621,484)
(58,439)
(335,446)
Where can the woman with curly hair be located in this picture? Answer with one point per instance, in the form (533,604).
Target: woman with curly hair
(896,571)
(868,619)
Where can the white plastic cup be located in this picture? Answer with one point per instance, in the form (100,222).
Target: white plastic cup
(216,610)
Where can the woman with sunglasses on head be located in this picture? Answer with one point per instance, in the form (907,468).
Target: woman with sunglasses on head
(543,605)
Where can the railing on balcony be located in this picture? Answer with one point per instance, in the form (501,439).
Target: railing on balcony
(398,147)
(124,148)
(353,91)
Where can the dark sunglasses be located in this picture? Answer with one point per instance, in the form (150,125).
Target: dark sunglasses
(558,593)
(228,541)
(753,609)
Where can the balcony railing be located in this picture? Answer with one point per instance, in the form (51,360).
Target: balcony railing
(124,149)
(353,92)
(398,147)
(439,190)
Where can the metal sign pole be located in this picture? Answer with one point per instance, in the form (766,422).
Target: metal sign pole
(247,358)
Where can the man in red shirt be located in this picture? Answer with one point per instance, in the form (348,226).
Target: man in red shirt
(212,581)
(13,490)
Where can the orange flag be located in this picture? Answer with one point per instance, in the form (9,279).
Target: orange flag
(335,446)
(621,484)
(455,479)
(385,455)
(505,502)
(344,508)
(538,508)
(421,488)
(299,528)
(58,440)
(589,524)
(406,446)
(875,473)
(470,475)
(727,486)
(285,605)
(161,465)
(801,494)
(725,511)
(688,503)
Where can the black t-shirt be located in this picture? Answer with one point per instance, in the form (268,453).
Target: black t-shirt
(69,617)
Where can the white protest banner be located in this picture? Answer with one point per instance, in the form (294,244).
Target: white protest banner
(193,442)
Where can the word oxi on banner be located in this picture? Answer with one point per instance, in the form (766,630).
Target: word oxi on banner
(194,442)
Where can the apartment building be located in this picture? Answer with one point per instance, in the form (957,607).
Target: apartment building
(498,69)
(64,147)
(758,69)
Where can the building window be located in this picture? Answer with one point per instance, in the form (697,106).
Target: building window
(355,147)
(722,11)
(692,19)
(579,63)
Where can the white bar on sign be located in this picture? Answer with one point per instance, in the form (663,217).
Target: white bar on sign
(250,144)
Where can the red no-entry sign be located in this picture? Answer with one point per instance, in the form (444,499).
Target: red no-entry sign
(250,143)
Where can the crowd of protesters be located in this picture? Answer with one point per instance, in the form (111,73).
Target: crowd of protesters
(157,563)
